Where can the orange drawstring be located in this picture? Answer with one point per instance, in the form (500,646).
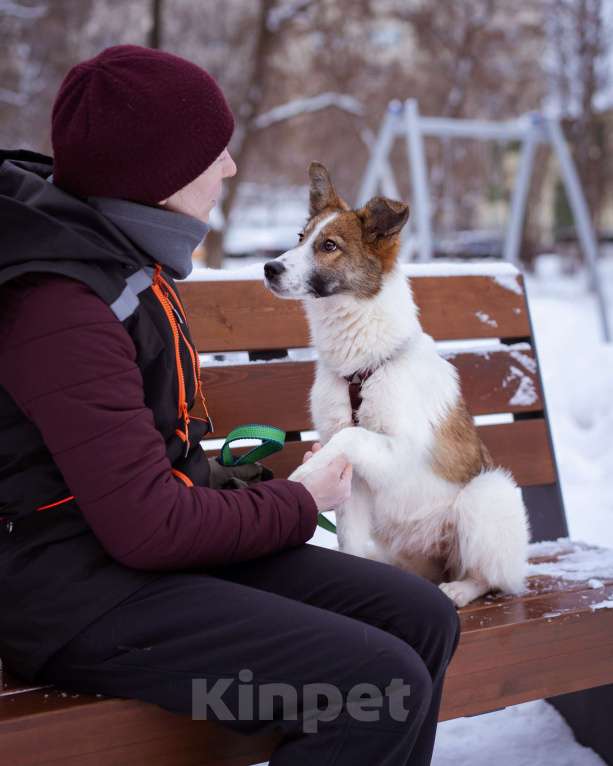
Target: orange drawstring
(167,305)
(195,363)
(192,351)
(196,368)
(184,477)
(173,293)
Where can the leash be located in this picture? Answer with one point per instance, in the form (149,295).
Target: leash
(272,440)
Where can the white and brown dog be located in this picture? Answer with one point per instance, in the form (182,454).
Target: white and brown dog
(425,493)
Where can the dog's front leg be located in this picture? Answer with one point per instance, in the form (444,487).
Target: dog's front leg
(370,453)
(353,521)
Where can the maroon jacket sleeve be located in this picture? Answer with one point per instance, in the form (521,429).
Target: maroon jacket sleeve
(71,367)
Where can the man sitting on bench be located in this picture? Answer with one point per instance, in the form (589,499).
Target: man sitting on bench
(123,571)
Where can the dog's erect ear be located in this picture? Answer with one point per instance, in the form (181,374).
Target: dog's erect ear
(382,217)
(323,194)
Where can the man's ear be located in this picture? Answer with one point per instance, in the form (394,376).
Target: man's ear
(323,194)
(382,217)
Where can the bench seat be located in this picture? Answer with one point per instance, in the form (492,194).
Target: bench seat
(546,641)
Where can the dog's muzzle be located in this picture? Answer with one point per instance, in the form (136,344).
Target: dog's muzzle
(273,270)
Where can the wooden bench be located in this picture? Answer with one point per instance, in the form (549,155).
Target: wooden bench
(541,644)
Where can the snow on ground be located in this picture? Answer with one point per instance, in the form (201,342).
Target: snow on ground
(577,371)
(532,734)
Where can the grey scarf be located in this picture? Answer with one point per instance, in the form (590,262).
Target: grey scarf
(168,237)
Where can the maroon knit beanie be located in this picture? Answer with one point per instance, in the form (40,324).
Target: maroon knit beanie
(136,123)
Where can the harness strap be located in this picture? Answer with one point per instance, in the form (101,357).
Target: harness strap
(355,392)
(356,381)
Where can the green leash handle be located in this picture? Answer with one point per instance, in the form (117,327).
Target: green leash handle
(273,440)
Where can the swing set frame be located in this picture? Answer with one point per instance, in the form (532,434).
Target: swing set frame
(403,120)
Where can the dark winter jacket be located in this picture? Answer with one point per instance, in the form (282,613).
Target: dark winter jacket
(93,372)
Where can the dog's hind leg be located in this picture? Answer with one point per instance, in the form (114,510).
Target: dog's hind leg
(491,542)
(462,592)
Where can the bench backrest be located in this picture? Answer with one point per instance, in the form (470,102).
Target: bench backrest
(228,314)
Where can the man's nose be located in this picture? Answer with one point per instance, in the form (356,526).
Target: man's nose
(273,269)
(231,167)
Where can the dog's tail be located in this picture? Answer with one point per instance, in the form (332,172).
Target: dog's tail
(493,531)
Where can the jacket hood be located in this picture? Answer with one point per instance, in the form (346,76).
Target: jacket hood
(41,223)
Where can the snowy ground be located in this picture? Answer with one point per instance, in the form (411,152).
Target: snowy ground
(532,734)
(577,369)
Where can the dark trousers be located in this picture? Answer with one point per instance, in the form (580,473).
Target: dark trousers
(304,618)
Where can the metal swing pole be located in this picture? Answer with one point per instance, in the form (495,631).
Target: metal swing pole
(580,211)
(512,241)
(378,170)
(407,121)
(419,180)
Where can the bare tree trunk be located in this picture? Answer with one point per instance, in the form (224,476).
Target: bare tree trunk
(156,31)
(579,39)
(464,37)
(590,51)
(249,109)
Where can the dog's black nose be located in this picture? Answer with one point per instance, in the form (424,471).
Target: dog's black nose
(272,269)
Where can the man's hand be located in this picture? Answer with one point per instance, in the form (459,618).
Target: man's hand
(308,455)
(330,484)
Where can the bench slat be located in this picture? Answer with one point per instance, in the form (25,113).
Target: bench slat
(522,447)
(538,586)
(278,392)
(244,315)
(88,731)
(524,655)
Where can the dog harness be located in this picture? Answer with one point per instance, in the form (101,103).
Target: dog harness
(356,381)
(355,391)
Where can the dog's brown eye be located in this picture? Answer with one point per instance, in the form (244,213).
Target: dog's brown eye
(329,245)
(300,236)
